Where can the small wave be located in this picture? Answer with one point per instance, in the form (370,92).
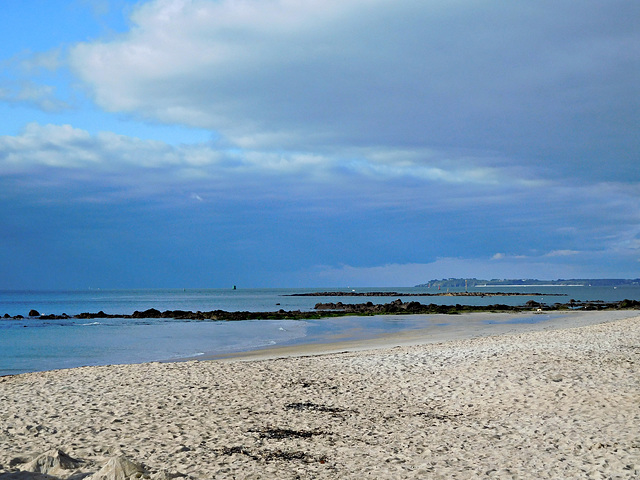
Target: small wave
(89,324)
(186,356)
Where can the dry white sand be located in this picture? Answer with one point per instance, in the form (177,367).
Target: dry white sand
(556,404)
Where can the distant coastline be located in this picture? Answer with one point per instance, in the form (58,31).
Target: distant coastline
(405,294)
(529,282)
(490,285)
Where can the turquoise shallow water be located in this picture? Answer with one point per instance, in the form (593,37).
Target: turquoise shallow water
(33,344)
(42,345)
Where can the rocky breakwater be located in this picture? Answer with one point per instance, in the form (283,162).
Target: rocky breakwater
(213,315)
(399,307)
(338,309)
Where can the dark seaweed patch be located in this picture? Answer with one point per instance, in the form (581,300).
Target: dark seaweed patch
(301,406)
(271,455)
(283,433)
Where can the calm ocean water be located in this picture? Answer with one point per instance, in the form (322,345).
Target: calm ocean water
(33,345)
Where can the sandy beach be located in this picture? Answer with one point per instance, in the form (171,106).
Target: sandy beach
(562,402)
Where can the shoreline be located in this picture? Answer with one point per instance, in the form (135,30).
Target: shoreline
(557,402)
(441,330)
(364,332)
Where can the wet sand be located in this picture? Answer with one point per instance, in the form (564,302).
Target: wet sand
(529,401)
(439,328)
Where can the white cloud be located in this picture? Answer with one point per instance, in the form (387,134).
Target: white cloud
(99,7)
(26,80)
(562,253)
(298,74)
(43,97)
(65,147)
(503,257)
(35,62)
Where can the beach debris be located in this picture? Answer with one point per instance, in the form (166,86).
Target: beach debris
(271,455)
(283,433)
(314,407)
(120,468)
(53,462)
(433,415)
(237,450)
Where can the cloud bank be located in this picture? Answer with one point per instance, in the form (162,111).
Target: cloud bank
(537,83)
(353,142)
(354,213)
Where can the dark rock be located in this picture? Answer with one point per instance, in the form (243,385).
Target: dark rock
(89,316)
(34,313)
(325,306)
(177,314)
(629,304)
(150,313)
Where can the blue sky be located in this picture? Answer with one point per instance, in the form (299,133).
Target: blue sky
(286,143)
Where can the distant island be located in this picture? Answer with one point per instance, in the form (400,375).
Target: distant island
(526,282)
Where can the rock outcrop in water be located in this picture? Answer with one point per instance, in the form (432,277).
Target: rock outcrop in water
(337,309)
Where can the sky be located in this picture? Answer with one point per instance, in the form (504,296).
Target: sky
(313,143)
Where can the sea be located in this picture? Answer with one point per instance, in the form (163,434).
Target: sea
(33,344)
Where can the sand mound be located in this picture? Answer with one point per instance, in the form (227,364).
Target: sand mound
(56,465)
(120,468)
(54,462)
